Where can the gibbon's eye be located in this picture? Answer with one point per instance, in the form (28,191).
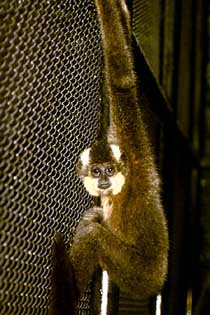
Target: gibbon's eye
(95,171)
(110,170)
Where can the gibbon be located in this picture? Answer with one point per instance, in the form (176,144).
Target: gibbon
(127,236)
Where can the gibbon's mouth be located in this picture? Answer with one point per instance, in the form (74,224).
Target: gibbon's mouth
(104,186)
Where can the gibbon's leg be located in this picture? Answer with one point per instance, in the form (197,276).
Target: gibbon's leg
(127,265)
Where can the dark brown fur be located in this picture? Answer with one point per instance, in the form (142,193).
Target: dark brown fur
(132,245)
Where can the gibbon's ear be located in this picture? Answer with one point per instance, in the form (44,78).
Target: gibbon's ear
(116,152)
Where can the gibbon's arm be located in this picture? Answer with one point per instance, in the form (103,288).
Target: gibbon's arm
(120,77)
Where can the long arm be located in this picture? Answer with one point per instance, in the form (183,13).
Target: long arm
(118,64)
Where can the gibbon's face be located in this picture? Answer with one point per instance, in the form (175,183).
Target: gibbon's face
(102,179)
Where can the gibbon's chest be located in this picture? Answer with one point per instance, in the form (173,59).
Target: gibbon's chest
(107,206)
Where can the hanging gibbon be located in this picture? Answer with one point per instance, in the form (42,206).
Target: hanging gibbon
(127,236)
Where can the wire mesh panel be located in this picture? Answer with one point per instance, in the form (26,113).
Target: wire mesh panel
(146,26)
(50,60)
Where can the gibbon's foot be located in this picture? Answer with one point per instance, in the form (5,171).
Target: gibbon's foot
(64,291)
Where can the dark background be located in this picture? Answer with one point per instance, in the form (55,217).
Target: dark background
(175,44)
(50,74)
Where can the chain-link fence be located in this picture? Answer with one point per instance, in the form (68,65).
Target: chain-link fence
(50,61)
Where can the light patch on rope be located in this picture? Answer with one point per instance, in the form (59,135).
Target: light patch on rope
(105,288)
(158,305)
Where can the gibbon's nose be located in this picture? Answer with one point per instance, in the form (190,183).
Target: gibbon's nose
(104,181)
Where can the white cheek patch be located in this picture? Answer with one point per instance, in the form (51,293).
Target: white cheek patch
(91,185)
(117,183)
(116,151)
(85,157)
